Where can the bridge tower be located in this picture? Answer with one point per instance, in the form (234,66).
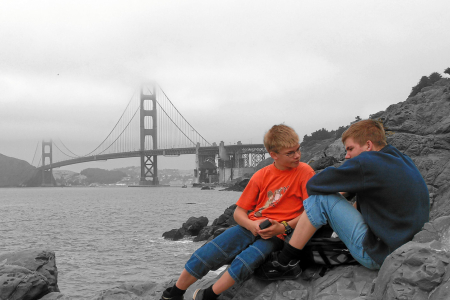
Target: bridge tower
(149,163)
(47,175)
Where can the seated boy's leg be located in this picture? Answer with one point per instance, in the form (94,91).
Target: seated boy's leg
(345,220)
(219,251)
(251,258)
(210,256)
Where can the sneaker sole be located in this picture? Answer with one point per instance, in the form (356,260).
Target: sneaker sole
(195,294)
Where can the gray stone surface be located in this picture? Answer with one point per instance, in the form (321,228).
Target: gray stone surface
(323,162)
(27,274)
(420,268)
(193,225)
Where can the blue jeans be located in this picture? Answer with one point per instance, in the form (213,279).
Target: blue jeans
(237,245)
(345,220)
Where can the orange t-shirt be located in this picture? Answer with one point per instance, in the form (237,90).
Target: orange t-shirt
(276,194)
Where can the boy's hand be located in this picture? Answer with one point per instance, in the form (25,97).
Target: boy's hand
(254,227)
(274,230)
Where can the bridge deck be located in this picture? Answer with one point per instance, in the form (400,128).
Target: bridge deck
(212,150)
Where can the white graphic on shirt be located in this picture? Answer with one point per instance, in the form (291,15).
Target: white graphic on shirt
(272,199)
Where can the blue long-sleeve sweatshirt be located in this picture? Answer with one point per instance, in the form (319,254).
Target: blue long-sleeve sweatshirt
(391,196)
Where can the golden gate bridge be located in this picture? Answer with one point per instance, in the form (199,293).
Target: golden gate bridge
(151,126)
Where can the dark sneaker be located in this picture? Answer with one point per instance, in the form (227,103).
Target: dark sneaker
(199,294)
(166,295)
(273,270)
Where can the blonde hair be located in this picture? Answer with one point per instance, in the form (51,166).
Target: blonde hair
(279,137)
(366,130)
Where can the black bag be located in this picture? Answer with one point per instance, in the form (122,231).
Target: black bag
(326,251)
(322,249)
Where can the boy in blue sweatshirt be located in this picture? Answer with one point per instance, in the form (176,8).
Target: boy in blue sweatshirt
(392,203)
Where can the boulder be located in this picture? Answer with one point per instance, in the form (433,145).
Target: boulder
(323,162)
(336,149)
(419,269)
(20,283)
(227,218)
(315,150)
(28,274)
(193,225)
(205,233)
(198,227)
(174,234)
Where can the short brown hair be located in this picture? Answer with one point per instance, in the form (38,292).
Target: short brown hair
(279,137)
(366,130)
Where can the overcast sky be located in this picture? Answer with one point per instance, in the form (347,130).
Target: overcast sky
(232,68)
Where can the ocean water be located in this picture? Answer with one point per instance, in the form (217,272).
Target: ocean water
(104,236)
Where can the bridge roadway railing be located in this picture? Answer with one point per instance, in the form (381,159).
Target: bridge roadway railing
(210,150)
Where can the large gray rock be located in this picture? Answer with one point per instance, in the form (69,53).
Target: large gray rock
(28,274)
(198,228)
(21,283)
(174,234)
(419,269)
(193,225)
(323,162)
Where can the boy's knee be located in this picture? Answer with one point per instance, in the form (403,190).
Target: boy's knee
(319,207)
(326,202)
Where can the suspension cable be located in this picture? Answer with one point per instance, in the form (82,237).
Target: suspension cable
(181,114)
(68,148)
(114,126)
(64,152)
(121,132)
(35,151)
(175,123)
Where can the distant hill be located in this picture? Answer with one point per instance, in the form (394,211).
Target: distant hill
(100,176)
(14,172)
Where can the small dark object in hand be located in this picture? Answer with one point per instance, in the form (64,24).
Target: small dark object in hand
(265,224)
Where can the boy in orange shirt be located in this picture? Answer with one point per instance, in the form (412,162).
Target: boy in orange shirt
(276,193)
